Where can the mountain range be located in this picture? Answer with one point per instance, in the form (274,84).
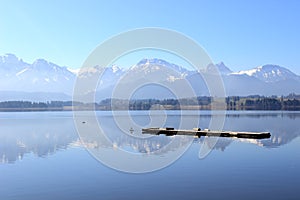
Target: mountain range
(43,80)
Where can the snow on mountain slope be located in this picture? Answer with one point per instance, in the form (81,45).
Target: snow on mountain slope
(159,62)
(44,76)
(270,73)
(74,71)
(40,76)
(159,68)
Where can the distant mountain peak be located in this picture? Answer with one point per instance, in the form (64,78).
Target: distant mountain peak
(157,61)
(221,64)
(9,58)
(40,61)
(221,67)
(42,75)
(269,73)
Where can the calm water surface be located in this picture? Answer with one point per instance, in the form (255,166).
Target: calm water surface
(41,157)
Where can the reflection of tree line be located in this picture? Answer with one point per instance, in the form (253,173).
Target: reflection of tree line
(262,115)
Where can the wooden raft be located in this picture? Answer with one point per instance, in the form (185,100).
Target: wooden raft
(206,132)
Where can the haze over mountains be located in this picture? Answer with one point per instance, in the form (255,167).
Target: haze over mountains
(45,81)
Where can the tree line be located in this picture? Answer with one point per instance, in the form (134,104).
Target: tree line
(254,102)
(262,103)
(39,106)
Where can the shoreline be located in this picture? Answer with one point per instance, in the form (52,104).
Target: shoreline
(97,109)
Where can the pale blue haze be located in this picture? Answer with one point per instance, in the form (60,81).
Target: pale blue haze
(243,34)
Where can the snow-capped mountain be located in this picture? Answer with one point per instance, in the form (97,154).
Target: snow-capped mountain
(145,63)
(106,77)
(11,62)
(158,68)
(40,76)
(43,77)
(235,83)
(156,71)
(270,73)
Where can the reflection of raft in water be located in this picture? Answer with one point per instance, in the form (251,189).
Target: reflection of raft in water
(206,132)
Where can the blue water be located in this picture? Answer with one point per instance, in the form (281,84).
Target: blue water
(42,157)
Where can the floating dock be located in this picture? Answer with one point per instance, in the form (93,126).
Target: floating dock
(206,132)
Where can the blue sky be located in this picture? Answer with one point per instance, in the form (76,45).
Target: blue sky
(243,34)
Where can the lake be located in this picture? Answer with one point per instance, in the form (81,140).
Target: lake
(42,157)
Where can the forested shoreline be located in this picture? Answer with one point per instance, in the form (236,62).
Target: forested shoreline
(254,102)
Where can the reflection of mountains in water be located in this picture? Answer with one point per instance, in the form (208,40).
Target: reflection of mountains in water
(283,126)
(283,130)
(46,136)
(280,138)
(38,136)
(132,141)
